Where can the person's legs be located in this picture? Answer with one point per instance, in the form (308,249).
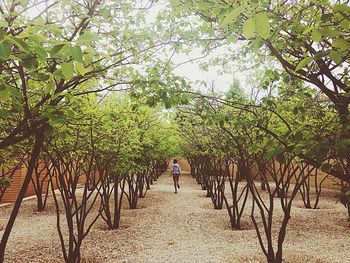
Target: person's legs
(175,181)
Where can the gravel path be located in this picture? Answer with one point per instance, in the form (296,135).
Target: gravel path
(181,227)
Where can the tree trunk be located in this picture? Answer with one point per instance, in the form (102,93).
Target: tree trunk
(39,139)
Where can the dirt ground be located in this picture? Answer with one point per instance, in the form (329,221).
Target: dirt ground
(182,227)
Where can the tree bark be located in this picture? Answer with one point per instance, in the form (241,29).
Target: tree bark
(39,139)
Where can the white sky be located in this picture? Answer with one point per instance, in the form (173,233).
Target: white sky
(193,72)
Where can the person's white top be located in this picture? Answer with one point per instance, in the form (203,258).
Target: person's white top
(176,169)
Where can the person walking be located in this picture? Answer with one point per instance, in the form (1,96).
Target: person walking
(175,172)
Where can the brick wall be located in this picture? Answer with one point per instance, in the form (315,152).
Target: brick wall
(330,182)
(18,177)
(12,192)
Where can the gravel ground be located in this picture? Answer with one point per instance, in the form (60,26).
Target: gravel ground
(182,227)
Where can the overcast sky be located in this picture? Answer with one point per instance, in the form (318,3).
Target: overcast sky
(193,72)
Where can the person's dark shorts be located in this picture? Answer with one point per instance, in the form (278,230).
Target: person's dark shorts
(176,177)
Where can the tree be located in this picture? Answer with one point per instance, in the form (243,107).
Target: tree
(308,38)
(47,61)
(235,92)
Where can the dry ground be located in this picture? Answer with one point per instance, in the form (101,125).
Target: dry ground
(182,227)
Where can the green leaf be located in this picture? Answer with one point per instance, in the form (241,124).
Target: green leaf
(316,35)
(2,34)
(307,30)
(151,101)
(330,33)
(174,3)
(56,50)
(268,154)
(232,15)
(41,52)
(4,94)
(43,76)
(334,55)
(342,7)
(70,113)
(5,113)
(68,70)
(50,87)
(58,74)
(57,120)
(47,112)
(38,39)
(14,92)
(63,135)
(262,25)
(249,28)
(76,53)
(80,68)
(345,24)
(270,102)
(5,50)
(6,182)
(232,39)
(19,43)
(64,3)
(184,99)
(303,63)
(302,109)
(30,62)
(298,149)
(3,23)
(341,43)
(87,37)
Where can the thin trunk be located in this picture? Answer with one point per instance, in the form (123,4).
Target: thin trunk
(39,139)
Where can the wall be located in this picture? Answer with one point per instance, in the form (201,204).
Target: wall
(18,177)
(11,193)
(330,182)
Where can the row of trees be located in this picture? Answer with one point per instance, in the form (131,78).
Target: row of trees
(307,38)
(61,63)
(310,41)
(260,151)
(90,161)
(297,125)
